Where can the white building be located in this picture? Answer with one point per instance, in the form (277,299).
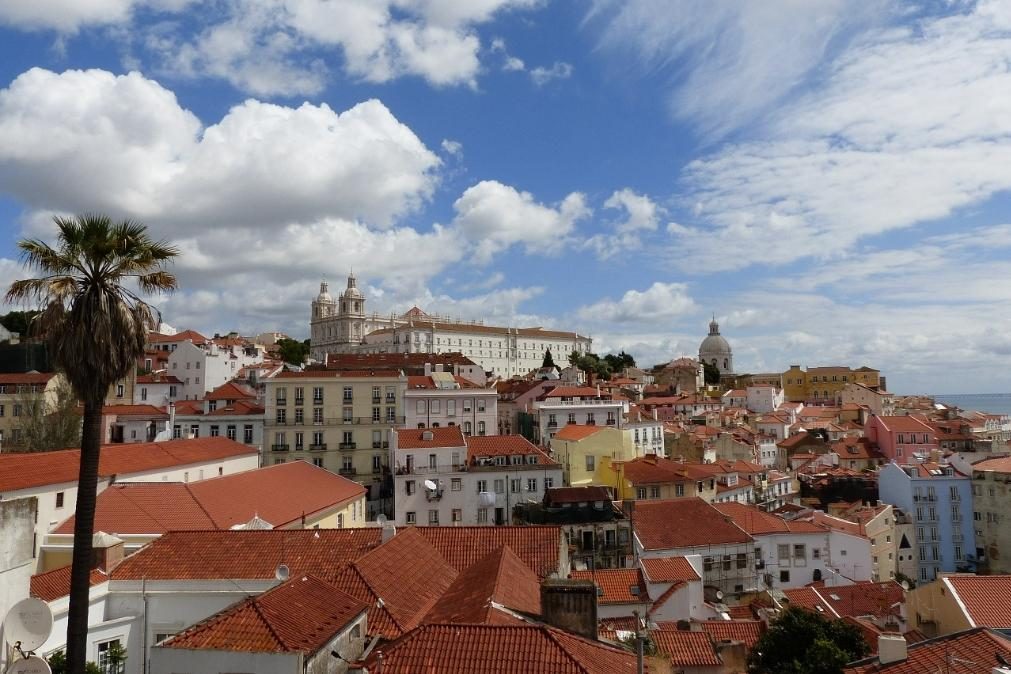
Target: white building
(343,326)
(158,389)
(764,399)
(17,556)
(232,411)
(443,399)
(564,405)
(444,478)
(204,368)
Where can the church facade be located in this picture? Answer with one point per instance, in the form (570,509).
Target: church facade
(341,325)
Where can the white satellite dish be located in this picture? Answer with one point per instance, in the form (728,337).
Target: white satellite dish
(31,665)
(905,585)
(381,519)
(719,594)
(431,486)
(28,624)
(282,572)
(486,498)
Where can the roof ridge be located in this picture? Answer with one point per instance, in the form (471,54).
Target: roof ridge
(196,499)
(129,496)
(551,635)
(255,601)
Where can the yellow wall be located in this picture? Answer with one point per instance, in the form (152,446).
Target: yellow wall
(350,517)
(606,445)
(800,385)
(933,610)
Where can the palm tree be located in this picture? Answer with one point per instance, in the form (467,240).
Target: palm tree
(95,329)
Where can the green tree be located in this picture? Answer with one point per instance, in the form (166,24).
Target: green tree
(802,642)
(590,363)
(618,362)
(18,321)
(48,424)
(293,351)
(548,360)
(712,373)
(95,329)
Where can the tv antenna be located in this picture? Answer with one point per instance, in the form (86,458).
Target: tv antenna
(26,627)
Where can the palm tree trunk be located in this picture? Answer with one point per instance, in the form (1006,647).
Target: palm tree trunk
(84,525)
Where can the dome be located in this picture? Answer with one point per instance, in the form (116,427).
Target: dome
(352,292)
(324,293)
(716,350)
(715,344)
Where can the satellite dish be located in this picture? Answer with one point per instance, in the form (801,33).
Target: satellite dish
(719,594)
(381,519)
(30,622)
(486,498)
(30,665)
(430,485)
(282,572)
(905,585)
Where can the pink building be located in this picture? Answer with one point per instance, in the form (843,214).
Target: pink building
(899,438)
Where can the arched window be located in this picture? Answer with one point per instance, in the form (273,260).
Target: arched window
(726,365)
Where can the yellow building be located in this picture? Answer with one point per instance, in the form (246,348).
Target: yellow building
(18,393)
(653,477)
(337,420)
(824,385)
(586,453)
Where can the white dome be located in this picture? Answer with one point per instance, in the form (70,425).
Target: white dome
(715,345)
(324,294)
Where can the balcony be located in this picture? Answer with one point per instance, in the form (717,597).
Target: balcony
(377,445)
(279,448)
(440,469)
(349,445)
(317,401)
(298,401)
(611,422)
(318,448)
(376,400)
(281,402)
(346,471)
(552,424)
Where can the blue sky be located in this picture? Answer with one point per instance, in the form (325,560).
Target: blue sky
(830,179)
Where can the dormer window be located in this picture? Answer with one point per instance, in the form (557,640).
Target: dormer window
(500,461)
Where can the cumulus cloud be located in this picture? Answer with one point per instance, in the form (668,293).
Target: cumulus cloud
(659,303)
(494,217)
(642,215)
(93,140)
(542,75)
(64,15)
(910,126)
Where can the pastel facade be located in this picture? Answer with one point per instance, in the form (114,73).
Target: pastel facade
(442,399)
(992,513)
(902,438)
(585,406)
(824,385)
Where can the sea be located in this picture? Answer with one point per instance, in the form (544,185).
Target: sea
(994,403)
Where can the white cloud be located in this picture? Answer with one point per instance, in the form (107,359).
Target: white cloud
(642,214)
(733,61)
(494,216)
(659,303)
(559,70)
(89,140)
(452,147)
(513,64)
(64,15)
(910,126)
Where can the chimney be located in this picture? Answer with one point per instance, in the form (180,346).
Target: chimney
(428,369)
(107,551)
(171,417)
(891,648)
(570,605)
(389,530)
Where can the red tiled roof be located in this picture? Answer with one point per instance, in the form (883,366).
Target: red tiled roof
(985,599)
(158,379)
(576,432)
(25,470)
(504,445)
(616,585)
(746,631)
(301,615)
(415,438)
(858,599)
(683,523)
(427,382)
(658,470)
(8,378)
(401,580)
(808,597)
(538,546)
(499,649)
(904,424)
(231,391)
(972,649)
(668,570)
(1000,465)
(501,577)
(607,628)
(238,408)
(185,335)
(758,522)
(337,374)
(146,508)
(574,392)
(248,554)
(52,585)
(687,649)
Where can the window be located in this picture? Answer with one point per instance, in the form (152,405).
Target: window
(317,394)
(247,434)
(411,517)
(433,517)
(215,431)
(499,486)
(436,406)
(299,415)
(531,484)
(482,485)
(317,415)
(299,440)
(281,416)
(679,489)
(783,551)
(59,499)
(482,516)
(457,515)
(515,484)
(742,560)
(455,484)
(420,407)
(799,551)
(480,405)
(640,492)
(111,657)
(348,397)
(230,432)
(654,492)
(549,482)
(590,462)
(784,576)
(318,461)
(481,428)
(467,427)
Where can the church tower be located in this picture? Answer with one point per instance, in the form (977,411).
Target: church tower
(351,318)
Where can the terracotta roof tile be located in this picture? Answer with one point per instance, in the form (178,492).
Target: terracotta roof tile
(668,570)
(184,336)
(683,523)
(134,411)
(904,424)
(8,378)
(301,615)
(338,374)
(974,650)
(576,432)
(252,554)
(985,599)
(538,546)
(499,649)
(415,438)
(25,470)
(158,379)
(574,392)
(758,522)
(505,445)
(745,631)
(687,649)
(231,391)
(808,597)
(658,470)
(590,494)
(616,585)
(145,508)
(52,585)
(501,577)
(1001,465)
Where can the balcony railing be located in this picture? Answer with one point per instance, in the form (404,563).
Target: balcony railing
(349,445)
(429,470)
(340,421)
(377,445)
(376,400)
(279,448)
(611,422)
(318,448)
(348,471)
